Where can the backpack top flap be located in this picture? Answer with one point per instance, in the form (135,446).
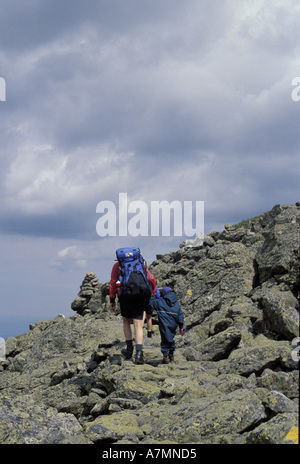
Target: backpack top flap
(128,254)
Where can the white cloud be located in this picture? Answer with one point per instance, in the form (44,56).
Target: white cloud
(69,258)
(42,181)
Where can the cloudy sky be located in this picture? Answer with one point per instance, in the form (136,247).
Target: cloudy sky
(162,99)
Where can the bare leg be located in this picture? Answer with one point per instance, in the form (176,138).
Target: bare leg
(127,329)
(138,327)
(149,322)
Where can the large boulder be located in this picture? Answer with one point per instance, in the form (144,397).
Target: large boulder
(23,421)
(279,256)
(280,309)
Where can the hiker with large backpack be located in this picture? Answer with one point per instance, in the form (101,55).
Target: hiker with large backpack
(134,284)
(170,316)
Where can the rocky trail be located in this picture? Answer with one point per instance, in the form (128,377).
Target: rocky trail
(235,377)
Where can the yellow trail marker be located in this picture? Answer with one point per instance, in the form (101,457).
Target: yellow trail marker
(293,435)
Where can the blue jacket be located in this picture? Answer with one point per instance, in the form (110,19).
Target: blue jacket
(169,314)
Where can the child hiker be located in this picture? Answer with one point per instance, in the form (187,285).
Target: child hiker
(170,316)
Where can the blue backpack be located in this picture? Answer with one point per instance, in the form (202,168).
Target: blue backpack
(133,276)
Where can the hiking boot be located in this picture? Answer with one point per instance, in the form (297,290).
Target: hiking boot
(139,357)
(166,360)
(171,357)
(127,352)
(149,333)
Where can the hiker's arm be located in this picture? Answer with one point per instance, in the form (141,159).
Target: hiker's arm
(154,303)
(113,306)
(152,280)
(112,285)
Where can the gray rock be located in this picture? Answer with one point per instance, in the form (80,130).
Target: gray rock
(280,309)
(280,430)
(279,255)
(25,422)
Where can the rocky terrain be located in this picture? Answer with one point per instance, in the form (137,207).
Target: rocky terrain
(235,375)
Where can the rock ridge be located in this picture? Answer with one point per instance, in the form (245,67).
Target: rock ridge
(235,376)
